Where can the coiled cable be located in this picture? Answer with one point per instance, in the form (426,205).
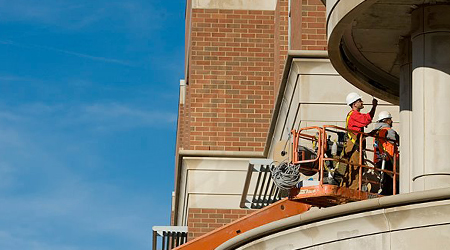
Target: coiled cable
(286,175)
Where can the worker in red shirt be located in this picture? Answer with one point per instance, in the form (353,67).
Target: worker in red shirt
(347,175)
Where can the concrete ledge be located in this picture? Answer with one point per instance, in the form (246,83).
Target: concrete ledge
(235,4)
(212,153)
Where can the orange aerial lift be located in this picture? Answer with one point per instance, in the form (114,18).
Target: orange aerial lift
(324,195)
(302,198)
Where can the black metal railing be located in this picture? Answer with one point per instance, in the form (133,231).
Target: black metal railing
(264,190)
(170,237)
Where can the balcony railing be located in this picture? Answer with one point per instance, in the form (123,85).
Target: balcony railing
(171,237)
(263,192)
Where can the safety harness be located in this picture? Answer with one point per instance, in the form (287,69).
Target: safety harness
(346,126)
(384,146)
(351,138)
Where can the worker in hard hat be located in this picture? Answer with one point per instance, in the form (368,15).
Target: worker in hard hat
(348,175)
(386,142)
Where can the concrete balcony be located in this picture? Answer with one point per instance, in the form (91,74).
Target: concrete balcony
(364,38)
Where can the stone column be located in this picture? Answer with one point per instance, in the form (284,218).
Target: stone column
(405,114)
(430,127)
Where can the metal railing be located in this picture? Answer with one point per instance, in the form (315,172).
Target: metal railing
(171,237)
(264,191)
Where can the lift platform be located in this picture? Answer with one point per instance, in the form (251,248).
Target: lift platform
(315,160)
(321,160)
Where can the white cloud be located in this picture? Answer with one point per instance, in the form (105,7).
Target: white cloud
(12,78)
(27,10)
(107,117)
(119,116)
(139,16)
(45,11)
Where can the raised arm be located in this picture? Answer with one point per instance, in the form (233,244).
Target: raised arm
(374,107)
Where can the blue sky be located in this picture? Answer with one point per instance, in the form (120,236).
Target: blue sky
(88,109)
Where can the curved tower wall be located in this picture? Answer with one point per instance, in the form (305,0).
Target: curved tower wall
(430,39)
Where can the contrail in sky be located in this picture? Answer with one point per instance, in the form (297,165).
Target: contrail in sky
(68,52)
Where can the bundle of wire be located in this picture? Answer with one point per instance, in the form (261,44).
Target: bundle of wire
(286,175)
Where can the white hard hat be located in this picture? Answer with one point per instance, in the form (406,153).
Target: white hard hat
(384,115)
(352,97)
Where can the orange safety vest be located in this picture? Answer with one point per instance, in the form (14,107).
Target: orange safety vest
(384,144)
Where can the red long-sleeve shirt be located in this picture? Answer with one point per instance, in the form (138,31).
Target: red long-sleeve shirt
(357,121)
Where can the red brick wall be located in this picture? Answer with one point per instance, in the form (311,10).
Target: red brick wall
(202,220)
(231,80)
(314,35)
(236,60)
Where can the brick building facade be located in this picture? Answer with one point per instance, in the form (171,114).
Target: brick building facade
(234,63)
